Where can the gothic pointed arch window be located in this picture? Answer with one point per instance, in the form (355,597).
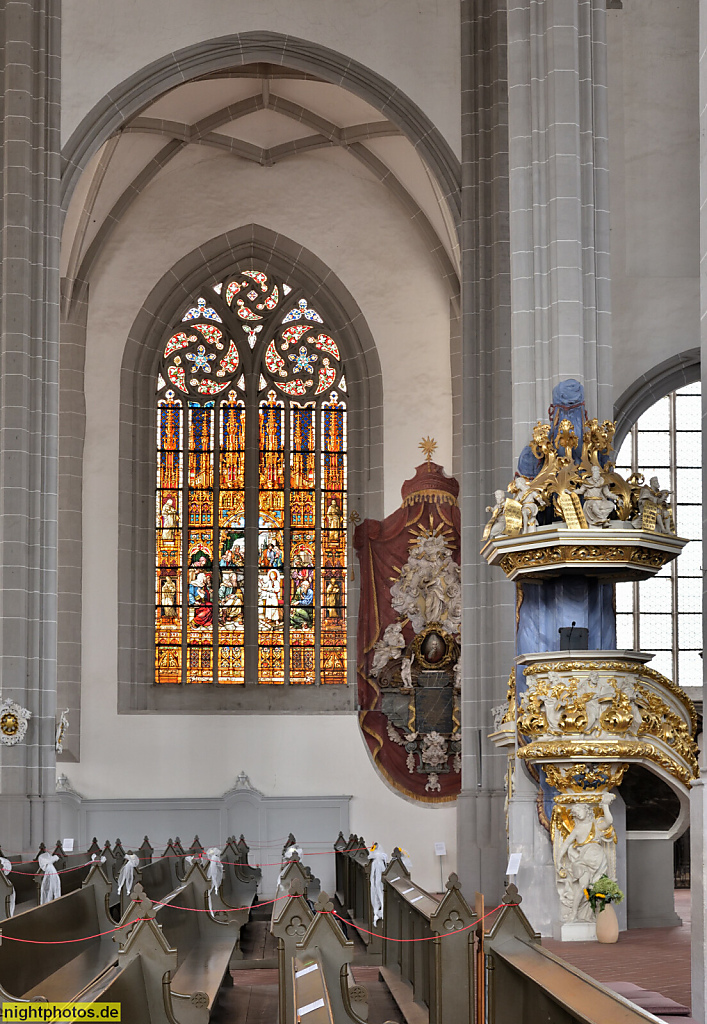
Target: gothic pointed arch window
(251,495)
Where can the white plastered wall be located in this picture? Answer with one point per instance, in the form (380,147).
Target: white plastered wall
(654,180)
(332,207)
(416,46)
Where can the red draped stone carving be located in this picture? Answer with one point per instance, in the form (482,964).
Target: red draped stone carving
(429,502)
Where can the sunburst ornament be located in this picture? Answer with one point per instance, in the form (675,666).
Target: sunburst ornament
(13,722)
(428,446)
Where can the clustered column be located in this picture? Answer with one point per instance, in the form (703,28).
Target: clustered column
(29,339)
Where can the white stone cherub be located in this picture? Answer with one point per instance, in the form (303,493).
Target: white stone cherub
(388,648)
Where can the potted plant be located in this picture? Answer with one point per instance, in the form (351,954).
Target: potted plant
(600,896)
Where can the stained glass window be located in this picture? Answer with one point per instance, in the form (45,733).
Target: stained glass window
(664,614)
(251,551)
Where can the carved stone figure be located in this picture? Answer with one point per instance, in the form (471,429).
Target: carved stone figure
(497,523)
(62,726)
(531,501)
(434,749)
(388,649)
(599,503)
(585,854)
(652,496)
(429,587)
(406,672)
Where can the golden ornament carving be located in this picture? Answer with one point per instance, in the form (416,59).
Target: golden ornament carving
(636,750)
(631,667)
(578,778)
(510,715)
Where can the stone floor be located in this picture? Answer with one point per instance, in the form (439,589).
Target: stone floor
(654,958)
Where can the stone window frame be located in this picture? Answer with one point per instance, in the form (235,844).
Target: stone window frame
(274,254)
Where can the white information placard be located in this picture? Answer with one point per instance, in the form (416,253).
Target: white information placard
(513,864)
(67,845)
(441,849)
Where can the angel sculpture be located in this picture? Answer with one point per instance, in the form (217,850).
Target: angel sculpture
(388,649)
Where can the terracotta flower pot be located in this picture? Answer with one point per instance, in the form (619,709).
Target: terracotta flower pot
(607,924)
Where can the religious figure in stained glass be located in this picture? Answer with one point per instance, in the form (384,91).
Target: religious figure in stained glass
(251,551)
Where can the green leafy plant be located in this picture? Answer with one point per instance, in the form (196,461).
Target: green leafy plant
(604,890)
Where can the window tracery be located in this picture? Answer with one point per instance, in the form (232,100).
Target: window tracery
(251,490)
(664,614)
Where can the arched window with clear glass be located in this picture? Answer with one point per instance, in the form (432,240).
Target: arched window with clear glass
(251,490)
(664,614)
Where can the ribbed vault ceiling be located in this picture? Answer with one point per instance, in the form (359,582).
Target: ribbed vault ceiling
(263,114)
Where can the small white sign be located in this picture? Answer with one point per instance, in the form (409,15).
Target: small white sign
(67,845)
(513,864)
(441,849)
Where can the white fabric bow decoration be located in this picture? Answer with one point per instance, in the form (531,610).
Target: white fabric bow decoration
(6,868)
(214,871)
(379,862)
(288,855)
(127,873)
(51,883)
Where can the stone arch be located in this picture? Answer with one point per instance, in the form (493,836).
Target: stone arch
(672,373)
(270,252)
(213,55)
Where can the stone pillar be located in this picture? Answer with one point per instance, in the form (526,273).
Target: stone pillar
(488,601)
(698,796)
(698,866)
(559,205)
(29,318)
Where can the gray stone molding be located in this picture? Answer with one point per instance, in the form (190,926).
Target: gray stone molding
(131,96)
(488,600)
(272,253)
(29,406)
(559,205)
(265,821)
(672,373)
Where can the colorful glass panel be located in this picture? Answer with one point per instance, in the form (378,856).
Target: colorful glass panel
(333,551)
(271,521)
(231,603)
(200,550)
(207,562)
(169,522)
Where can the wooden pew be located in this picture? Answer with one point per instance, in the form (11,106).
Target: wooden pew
(289,921)
(353,890)
(437,973)
(322,981)
(206,941)
(58,972)
(239,887)
(529,985)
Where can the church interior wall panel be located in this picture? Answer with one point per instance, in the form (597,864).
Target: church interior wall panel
(653,163)
(105,43)
(357,230)
(170,761)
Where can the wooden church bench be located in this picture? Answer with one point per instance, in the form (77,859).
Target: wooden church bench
(322,987)
(240,881)
(58,971)
(205,943)
(530,983)
(353,889)
(436,974)
(310,994)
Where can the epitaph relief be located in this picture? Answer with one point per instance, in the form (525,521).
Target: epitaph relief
(408,637)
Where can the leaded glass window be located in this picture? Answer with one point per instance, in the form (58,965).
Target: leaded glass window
(251,490)
(664,614)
